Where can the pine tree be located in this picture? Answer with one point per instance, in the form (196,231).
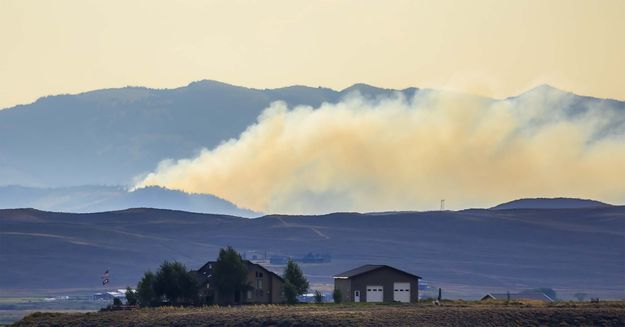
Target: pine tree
(295,282)
(230,274)
(146,296)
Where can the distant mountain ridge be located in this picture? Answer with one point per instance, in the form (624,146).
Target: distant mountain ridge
(550,203)
(94,198)
(86,199)
(111,136)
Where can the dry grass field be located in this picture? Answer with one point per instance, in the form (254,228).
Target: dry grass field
(450,314)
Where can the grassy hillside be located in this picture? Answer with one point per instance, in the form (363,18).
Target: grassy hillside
(452,314)
(467,253)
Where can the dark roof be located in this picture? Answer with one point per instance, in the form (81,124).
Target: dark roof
(204,266)
(519,296)
(369,268)
(265,269)
(202,278)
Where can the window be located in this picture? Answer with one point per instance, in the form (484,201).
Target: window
(259,284)
(249,295)
(208,285)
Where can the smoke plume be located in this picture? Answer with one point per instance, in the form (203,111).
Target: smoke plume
(407,154)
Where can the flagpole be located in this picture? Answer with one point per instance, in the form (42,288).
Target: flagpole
(105,278)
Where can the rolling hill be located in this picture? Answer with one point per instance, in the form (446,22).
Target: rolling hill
(550,203)
(92,198)
(468,253)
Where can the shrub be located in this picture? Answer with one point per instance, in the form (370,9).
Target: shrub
(318,297)
(117,302)
(337,296)
(131,296)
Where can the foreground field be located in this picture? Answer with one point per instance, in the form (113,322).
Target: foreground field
(457,314)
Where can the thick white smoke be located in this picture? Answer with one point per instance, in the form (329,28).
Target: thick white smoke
(407,154)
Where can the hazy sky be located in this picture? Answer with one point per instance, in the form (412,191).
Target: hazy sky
(495,48)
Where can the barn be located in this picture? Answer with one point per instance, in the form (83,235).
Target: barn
(377,283)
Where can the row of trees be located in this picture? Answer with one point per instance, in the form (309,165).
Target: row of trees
(172,283)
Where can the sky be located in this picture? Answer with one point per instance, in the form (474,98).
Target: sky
(342,156)
(493,48)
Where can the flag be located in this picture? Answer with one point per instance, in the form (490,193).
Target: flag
(105,277)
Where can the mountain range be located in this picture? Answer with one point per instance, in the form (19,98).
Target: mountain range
(467,253)
(79,153)
(112,136)
(108,137)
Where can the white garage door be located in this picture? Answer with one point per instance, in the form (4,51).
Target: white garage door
(375,293)
(401,292)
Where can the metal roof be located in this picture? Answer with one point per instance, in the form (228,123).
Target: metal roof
(368,268)
(520,296)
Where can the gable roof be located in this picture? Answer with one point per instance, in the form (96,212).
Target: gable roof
(265,269)
(369,268)
(519,296)
(203,278)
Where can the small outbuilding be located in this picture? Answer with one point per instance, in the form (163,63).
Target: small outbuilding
(537,296)
(377,283)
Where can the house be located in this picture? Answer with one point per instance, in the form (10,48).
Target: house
(264,286)
(377,283)
(537,296)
